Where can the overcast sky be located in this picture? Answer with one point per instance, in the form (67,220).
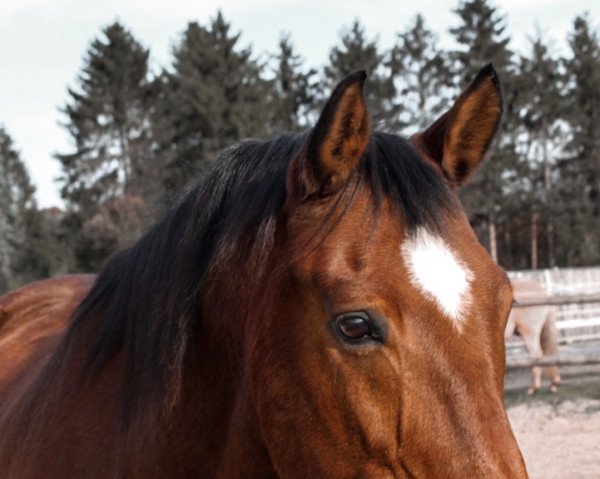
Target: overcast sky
(42,43)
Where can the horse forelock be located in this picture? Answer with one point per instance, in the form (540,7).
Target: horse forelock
(147,300)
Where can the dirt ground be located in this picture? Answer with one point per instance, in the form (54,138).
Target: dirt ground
(559,437)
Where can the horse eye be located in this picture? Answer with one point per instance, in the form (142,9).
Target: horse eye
(354,327)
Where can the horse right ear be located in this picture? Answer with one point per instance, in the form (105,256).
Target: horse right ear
(336,143)
(459,139)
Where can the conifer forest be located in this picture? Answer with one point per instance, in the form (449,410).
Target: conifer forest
(141,136)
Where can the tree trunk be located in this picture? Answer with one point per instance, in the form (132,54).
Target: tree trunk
(508,243)
(127,163)
(548,188)
(493,244)
(534,242)
(550,239)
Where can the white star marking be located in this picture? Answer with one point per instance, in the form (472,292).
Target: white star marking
(438,273)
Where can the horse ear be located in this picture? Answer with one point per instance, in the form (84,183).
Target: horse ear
(338,140)
(459,139)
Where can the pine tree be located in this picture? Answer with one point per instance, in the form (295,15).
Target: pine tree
(422,74)
(213,96)
(107,117)
(481,39)
(580,168)
(539,82)
(17,205)
(294,89)
(356,52)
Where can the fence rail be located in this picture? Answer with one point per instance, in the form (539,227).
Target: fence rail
(576,338)
(574,360)
(559,300)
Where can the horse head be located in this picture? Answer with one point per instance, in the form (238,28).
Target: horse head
(377,348)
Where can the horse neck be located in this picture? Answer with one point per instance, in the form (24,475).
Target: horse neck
(213,426)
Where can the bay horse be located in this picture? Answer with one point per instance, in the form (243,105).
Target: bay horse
(537,327)
(317,306)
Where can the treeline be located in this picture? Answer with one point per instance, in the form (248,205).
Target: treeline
(140,137)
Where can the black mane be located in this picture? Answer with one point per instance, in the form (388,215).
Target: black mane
(147,296)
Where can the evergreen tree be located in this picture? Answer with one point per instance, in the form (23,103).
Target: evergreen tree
(17,206)
(580,168)
(294,89)
(422,76)
(213,96)
(481,39)
(539,82)
(107,117)
(356,52)
(50,255)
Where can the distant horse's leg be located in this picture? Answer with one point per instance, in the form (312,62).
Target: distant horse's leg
(531,337)
(549,343)
(536,378)
(511,325)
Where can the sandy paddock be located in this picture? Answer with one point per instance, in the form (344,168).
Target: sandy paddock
(559,440)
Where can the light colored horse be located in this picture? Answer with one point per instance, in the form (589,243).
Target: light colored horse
(537,326)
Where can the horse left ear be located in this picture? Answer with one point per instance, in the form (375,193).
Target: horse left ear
(338,140)
(459,139)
